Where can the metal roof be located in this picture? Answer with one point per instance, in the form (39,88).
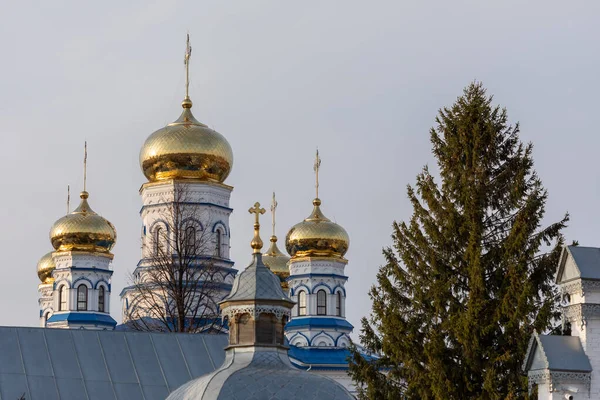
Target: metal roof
(43,363)
(556,353)
(256,282)
(587,263)
(261,374)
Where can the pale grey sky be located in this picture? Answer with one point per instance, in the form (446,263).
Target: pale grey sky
(361,80)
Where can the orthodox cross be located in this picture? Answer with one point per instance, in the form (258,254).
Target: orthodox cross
(186,62)
(84,165)
(316,168)
(273,208)
(257,242)
(256,210)
(68,198)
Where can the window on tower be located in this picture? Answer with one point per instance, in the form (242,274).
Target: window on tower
(218,244)
(321,302)
(158,238)
(190,240)
(82,298)
(101,297)
(338,304)
(62,298)
(302,302)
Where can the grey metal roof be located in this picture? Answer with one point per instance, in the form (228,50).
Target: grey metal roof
(261,375)
(557,353)
(83,364)
(256,282)
(587,260)
(587,263)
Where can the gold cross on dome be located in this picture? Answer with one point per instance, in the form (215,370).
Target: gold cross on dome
(273,209)
(316,167)
(256,210)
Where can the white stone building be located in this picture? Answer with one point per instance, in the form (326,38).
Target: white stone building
(569,366)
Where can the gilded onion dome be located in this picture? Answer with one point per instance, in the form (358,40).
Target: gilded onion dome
(45,267)
(83,230)
(186,149)
(317,236)
(276,261)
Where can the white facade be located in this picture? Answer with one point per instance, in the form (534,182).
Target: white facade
(81,291)
(208,204)
(569,366)
(46,302)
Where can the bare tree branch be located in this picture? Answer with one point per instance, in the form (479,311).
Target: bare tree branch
(177,285)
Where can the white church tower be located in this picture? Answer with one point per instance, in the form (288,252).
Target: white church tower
(76,277)
(186,164)
(569,366)
(317,247)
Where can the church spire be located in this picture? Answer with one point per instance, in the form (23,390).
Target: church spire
(187,102)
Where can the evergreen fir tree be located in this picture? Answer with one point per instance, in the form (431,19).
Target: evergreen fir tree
(470,276)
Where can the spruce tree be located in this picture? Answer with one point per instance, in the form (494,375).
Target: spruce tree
(470,276)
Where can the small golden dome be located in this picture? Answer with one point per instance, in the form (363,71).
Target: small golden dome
(276,261)
(45,267)
(83,230)
(317,236)
(186,149)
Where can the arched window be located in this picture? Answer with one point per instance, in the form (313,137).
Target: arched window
(219,243)
(302,302)
(338,304)
(158,238)
(82,297)
(62,298)
(190,240)
(101,297)
(321,302)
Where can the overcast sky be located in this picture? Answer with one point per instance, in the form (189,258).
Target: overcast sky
(361,80)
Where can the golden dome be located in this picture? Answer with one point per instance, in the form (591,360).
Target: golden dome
(186,149)
(317,236)
(276,261)
(45,267)
(83,230)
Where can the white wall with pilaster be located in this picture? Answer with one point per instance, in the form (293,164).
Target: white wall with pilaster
(75,268)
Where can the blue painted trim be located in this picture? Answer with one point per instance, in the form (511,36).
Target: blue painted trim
(343,289)
(93,269)
(160,222)
(186,202)
(83,278)
(300,334)
(220,285)
(83,318)
(316,322)
(300,276)
(216,259)
(323,333)
(297,288)
(337,341)
(198,223)
(317,287)
(102,280)
(56,284)
(221,224)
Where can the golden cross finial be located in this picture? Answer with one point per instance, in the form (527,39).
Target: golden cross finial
(68,199)
(186,62)
(273,208)
(316,168)
(257,242)
(84,165)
